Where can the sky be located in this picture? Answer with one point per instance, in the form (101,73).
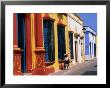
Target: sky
(89,19)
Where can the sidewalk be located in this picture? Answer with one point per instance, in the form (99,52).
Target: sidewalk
(86,68)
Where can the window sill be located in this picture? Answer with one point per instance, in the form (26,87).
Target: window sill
(49,63)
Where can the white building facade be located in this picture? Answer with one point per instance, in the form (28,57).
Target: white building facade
(76,36)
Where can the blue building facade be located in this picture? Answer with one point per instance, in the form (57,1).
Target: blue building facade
(90,43)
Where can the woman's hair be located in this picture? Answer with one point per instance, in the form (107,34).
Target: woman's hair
(65,55)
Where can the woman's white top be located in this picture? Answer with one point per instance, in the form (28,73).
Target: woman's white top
(66,58)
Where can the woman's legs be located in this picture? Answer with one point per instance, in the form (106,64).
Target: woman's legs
(68,65)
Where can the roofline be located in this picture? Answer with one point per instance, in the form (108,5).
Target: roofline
(90,27)
(81,21)
(92,30)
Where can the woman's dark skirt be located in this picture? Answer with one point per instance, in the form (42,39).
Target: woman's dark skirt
(67,62)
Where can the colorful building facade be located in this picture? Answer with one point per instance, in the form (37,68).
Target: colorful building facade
(90,43)
(42,39)
(40,42)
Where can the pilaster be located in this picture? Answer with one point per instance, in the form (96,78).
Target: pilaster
(16,49)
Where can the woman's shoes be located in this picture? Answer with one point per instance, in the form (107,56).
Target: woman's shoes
(66,68)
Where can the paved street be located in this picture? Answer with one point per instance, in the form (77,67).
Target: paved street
(87,68)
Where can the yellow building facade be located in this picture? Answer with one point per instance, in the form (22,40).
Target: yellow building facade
(59,19)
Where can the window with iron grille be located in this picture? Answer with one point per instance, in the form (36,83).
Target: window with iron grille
(48,29)
(61,41)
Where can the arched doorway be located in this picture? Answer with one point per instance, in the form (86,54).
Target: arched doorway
(94,50)
(71,44)
(90,50)
(76,51)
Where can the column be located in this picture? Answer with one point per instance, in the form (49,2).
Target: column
(67,40)
(92,50)
(40,51)
(83,50)
(15,30)
(16,50)
(84,46)
(33,41)
(79,50)
(56,64)
(28,43)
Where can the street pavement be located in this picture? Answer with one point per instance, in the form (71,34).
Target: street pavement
(86,68)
